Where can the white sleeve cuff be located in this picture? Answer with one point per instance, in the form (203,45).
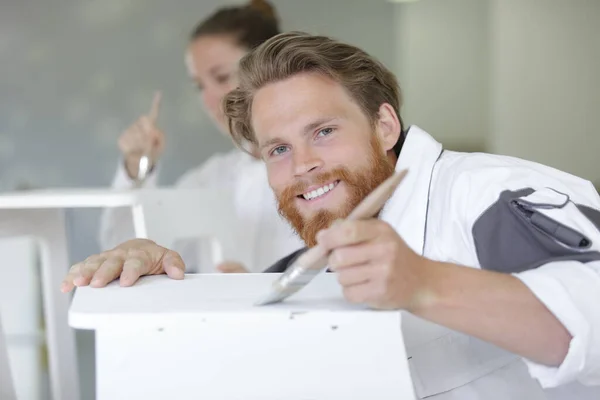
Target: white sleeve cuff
(123,181)
(568,289)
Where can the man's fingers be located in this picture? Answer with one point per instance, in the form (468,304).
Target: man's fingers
(108,272)
(86,270)
(231,268)
(68,283)
(155,107)
(133,268)
(349,233)
(173,265)
(358,294)
(353,276)
(130,260)
(66,286)
(350,256)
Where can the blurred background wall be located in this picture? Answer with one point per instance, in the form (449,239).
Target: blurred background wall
(515,77)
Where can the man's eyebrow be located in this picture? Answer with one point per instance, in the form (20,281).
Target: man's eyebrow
(307,130)
(269,143)
(314,125)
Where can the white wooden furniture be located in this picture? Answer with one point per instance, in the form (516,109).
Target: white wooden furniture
(202,338)
(20,310)
(167,216)
(7,390)
(40,214)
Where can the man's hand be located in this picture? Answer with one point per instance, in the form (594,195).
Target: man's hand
(374,265)
(377,268)
(231,267)
(128,261)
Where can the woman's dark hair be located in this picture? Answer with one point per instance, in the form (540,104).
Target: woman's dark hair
(250,25)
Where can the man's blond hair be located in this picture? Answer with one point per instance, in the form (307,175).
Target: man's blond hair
(367,81)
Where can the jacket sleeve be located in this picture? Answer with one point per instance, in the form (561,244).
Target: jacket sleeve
(550,240)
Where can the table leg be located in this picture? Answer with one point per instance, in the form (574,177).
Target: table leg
(7,390)
(48,226)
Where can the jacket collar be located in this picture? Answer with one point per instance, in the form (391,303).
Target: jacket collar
(406,210)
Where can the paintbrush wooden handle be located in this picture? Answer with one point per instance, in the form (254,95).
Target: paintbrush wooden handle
(373,203)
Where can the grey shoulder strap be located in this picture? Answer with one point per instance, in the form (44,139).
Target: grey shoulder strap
(511,237)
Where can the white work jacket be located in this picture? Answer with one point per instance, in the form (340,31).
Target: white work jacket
(255,204)
(512,216)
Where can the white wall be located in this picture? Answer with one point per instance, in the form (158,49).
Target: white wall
(443,68)
(546,82)
(520,76)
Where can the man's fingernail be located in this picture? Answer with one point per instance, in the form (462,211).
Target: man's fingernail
(95,282)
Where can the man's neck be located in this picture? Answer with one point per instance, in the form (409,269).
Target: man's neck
(391,155)
(394,153)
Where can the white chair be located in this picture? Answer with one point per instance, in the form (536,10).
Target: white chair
(48,228)
(7,390)
(170,215)
(20,308)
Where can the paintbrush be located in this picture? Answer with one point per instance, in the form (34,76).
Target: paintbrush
(314,260)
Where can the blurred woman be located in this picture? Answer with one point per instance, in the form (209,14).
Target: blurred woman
(215,48)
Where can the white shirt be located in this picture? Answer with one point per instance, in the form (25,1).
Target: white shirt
(444,210)
(255,204)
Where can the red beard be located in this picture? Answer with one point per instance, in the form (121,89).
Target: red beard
(359,183)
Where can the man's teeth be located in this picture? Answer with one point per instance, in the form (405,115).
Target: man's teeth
(318,192)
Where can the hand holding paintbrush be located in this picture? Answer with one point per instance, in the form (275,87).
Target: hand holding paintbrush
(313,261)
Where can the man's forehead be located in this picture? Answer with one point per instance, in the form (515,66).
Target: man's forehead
(296,102)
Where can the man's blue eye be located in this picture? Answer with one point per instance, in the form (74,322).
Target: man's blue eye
(279,150)
(325,131)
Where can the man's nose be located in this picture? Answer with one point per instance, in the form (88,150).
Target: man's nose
(306,160)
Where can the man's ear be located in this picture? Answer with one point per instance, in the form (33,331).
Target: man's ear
(388,126)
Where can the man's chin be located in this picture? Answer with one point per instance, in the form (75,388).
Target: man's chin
(314,224)
(310,215)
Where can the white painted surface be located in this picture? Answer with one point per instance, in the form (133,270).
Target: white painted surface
(166,216)
(203,338)
(7,389)
(20,311)
(48,228)
(40,214)
(206,295)
(65,198)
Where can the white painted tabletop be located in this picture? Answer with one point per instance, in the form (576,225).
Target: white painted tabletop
(67,198)
(159,299)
